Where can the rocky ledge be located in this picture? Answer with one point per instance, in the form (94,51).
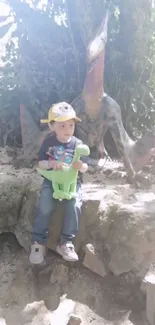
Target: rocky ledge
(117,228)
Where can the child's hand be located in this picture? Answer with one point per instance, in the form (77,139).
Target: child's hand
(56,165)
(80,166)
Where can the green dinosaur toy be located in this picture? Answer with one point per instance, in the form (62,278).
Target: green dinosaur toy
(64,181)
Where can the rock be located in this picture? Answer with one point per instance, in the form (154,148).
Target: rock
(2,321)
(142,151)
(116,218)
(131,233)
(24,227)
(12,195)
(143,287)
(150,297)
(38,314)
(93,260)
(33,309)
(75,320)
(126,322)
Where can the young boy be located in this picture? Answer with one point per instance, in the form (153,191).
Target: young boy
(57,150)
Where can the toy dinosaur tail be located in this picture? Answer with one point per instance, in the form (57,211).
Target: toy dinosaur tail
(45,173)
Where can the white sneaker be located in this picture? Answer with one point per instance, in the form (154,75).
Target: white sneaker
(37,253)
(67,251)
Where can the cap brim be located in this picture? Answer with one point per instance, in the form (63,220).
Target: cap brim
(44,121)
(78,119)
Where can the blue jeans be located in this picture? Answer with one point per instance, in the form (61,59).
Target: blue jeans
(72,212)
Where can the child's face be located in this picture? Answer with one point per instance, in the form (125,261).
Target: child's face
(64,130)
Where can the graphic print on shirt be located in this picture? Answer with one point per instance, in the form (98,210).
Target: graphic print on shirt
(60,154)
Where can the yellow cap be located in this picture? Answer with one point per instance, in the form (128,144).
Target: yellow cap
(61,112)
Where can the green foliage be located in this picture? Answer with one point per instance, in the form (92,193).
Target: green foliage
(46,65)
(45,61)
(130,63)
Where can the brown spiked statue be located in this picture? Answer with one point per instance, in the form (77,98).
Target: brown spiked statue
(98,112)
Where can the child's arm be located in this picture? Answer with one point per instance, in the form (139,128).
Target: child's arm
(50,164)
(84,168)
(44,164)
(44,160)
(80,166)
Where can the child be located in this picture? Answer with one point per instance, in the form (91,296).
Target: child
(57,150)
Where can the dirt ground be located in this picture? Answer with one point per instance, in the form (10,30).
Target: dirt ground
(110,300)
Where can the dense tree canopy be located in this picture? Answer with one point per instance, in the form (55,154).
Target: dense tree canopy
(45,59)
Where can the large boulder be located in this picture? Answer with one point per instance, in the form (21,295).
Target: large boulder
(117,220)
(12,193)
(36,313)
